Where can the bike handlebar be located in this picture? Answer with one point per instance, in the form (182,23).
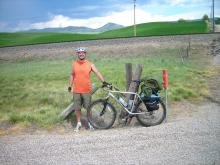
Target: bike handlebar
(110,86)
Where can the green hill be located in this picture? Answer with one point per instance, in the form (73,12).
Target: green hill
(146,29)
(159,28)
(26,38)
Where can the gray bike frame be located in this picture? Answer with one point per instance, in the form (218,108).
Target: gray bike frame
(132,106)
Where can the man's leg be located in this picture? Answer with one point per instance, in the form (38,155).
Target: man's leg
(86,103)
(78,118)
(78,115)
(77,107)
(86,100)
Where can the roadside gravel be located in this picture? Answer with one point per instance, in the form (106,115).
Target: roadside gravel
(189,140)
(105,47)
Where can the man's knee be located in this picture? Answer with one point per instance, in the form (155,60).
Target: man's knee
(86,101)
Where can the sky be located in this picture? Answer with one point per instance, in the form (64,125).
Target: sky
(20,15)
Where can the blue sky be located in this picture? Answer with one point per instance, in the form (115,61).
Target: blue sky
(17,15)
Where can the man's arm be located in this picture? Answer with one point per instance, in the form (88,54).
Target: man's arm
(97,73)
(71,80)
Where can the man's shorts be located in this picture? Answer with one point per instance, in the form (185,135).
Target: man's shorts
(81,99)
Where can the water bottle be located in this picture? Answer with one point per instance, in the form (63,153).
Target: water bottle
(121,100)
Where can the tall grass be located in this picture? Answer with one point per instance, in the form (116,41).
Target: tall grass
(34,91)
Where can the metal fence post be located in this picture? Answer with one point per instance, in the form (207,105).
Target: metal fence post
(165,85)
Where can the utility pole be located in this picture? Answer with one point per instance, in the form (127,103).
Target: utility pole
(134,20)
(213,15)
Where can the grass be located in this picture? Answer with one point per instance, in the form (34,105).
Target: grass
(159,28)
(146,29)
(217,21)
(34,91)
(23,38)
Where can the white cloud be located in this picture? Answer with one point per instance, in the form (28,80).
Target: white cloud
(56,21)
(143,16)
(22,25)
(124,17)
(94,22)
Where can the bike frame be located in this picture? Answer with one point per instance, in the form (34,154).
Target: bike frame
(132,107)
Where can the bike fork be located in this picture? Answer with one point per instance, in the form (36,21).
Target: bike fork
(104,108)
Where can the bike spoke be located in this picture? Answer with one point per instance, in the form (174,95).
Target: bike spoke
(150,118)
(102,115)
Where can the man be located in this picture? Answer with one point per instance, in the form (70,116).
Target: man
(80,83)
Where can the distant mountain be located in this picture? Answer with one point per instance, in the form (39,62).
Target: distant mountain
(109,26)
(78,29)
(69,29)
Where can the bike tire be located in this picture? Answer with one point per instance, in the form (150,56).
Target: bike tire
(147,119)
(99,117)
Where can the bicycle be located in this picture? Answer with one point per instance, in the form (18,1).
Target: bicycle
(102,114)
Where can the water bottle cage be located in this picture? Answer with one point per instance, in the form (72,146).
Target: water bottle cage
(122,102)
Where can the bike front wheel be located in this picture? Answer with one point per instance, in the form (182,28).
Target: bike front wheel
(101,114)
(151,118)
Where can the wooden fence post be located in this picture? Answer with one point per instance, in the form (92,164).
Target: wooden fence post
(128,70)
(132,88)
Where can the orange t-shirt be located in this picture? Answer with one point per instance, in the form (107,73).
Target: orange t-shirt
(81,76)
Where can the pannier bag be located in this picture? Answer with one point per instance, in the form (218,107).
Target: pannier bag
(151,106)
(150,93)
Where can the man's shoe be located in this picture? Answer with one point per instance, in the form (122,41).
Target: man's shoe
(91,128)
(78,127)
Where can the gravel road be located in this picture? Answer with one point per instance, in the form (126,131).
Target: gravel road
(106,47)
(191,140)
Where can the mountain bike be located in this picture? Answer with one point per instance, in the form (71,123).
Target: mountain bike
(149,112)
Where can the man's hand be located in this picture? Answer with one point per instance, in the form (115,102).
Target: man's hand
(69,89)
(105,84)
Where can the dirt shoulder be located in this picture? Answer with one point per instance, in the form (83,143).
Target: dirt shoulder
(189,140)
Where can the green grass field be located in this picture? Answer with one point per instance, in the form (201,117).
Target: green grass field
(11,39)
(34,91)
(159,28)
(146,29)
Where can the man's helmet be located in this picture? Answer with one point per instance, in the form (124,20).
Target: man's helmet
(80,49)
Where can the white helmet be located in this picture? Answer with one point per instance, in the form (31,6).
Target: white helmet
(80,49)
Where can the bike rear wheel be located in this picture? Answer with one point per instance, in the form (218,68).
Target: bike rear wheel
(101,114)
(151,118)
